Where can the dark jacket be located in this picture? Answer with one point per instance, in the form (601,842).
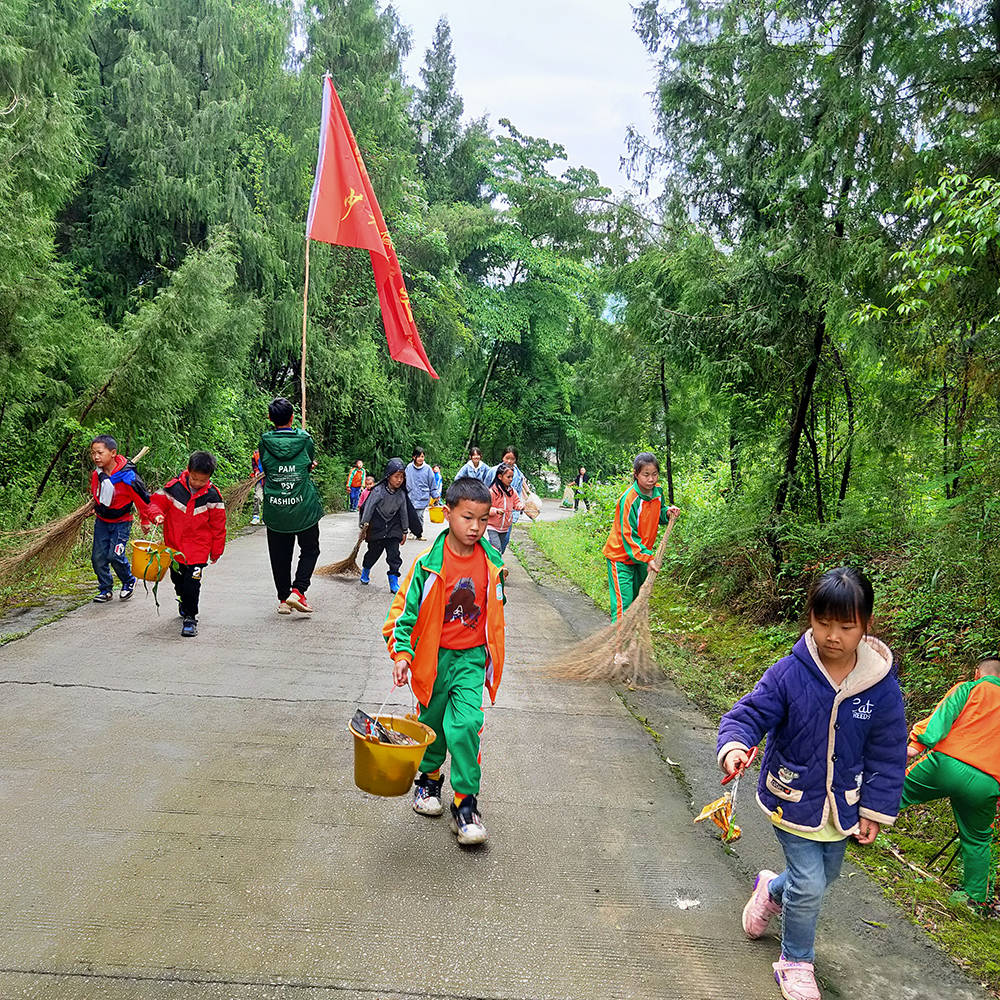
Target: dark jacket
(291,502)
(831,750)
(387,512)
(194,522)
(115,492)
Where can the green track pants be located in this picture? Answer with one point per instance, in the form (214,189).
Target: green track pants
(624,582)
(455,713)
(973,795)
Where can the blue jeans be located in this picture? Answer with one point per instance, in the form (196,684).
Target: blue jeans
(355,493)
(810,866)
(110,543)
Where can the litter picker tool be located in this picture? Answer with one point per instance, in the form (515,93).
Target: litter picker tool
(722,811)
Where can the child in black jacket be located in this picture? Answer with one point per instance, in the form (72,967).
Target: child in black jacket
(388,515)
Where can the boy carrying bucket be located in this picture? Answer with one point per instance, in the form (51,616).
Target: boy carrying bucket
(193,516)
(445,632)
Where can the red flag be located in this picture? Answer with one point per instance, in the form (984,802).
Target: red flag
(344,210)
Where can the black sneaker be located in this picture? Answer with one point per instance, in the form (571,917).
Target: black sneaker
(427,795)
(189,628)
(127,590)
(466,821)
(103,596)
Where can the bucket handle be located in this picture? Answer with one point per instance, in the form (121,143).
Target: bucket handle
(389,695)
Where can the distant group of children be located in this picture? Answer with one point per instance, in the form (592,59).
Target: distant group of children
(192,513)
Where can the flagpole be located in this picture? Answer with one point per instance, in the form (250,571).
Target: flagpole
(305,310)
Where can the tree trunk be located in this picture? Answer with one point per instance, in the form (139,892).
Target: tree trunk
(810,432)
(849,457)
(799,419)
(734,461)
(945,463)
(482,396)
(666,425)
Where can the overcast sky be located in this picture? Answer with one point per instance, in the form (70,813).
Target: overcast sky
(571,71)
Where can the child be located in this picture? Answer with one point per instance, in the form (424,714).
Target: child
(475,467)
(292,507)
(503,502)
(833,768)
(369,486)
(962,736)
(115,486)
(386,513)
(355,481)
(421,488)
(629,548)
(193,516)
(258,487)
(445,630)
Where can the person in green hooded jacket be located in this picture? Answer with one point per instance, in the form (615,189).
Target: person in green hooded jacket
(292,508)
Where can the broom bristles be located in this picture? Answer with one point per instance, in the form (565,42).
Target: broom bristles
(346,567)
(50,544)
(238,494)
(622,651)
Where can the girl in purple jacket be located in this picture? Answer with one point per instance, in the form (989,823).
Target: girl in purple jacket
(834,764)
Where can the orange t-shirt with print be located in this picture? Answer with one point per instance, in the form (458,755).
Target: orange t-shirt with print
(465,583)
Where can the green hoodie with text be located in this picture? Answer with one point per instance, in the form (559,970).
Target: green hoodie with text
(291,502)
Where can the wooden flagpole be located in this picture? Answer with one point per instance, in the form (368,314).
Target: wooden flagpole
(305,310)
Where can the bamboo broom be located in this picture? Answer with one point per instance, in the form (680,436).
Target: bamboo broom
(623,650)
(348,566)
(49,544)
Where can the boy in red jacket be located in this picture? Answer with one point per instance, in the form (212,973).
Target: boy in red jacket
(193,516)
(115,487)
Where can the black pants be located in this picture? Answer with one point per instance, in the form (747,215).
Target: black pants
(281,548)
(187,583)
(390,546)
(577,500)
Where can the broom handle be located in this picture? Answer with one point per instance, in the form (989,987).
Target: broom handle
(142,454)
(657,561)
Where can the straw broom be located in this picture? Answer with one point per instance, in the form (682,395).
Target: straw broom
(348,566)
(238,494)
(49,544)
(623,650)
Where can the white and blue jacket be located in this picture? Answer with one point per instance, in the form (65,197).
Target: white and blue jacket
(470,470)
(833,752)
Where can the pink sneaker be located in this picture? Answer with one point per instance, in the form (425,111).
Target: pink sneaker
(760,907)
(796,980)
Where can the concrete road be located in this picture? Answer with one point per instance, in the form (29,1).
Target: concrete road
(178,820)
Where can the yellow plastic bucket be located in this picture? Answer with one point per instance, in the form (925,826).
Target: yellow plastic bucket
(150,560)
(436,514)
(386,769)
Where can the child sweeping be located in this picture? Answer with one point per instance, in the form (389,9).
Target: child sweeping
(386,513)
(445,632)
(630,545)
(116,487)
(961,738)
(833,768)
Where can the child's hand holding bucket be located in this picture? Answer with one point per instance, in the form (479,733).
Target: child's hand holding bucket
(400,672)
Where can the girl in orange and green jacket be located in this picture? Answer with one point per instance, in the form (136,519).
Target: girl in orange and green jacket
(629,548)
(445,631)
(963,737)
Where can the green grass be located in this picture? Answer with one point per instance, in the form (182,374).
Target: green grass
(716,657)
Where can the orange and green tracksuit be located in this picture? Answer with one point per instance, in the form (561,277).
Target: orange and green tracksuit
(448,683)
(963,736)
(629,547)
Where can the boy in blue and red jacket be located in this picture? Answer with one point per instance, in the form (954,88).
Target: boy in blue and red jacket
(116,487)
(193,516)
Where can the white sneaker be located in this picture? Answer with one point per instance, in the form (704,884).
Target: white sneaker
(466,822)
(427,796)
(284,609)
